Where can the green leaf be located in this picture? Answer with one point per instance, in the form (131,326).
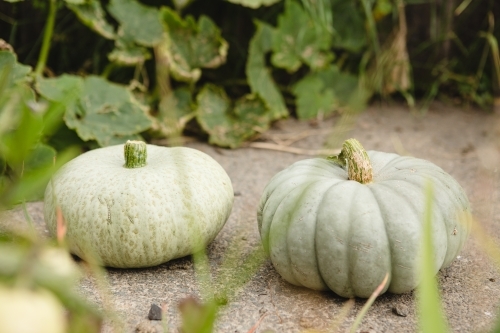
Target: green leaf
(189,45)
(12,72)
(349,25)
(323,92)
(254,3)
(57,89)
(226,126)
(259,77)
(431,317)
(33,182)
(313,97)
(103,111)
(21,127)
(139,23)
(174,113)
(300,39)
(92,15)
(40,156)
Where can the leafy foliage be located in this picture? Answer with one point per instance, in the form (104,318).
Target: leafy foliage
(320,93)
(138,23)
(92,15)
(311,57)
(101,111)
(259,76)
(189,46)
(300,39)
(227,126)
(174,113)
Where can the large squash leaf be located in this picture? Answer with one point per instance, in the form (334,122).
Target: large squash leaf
(92,15)
(314,98)
(139,23)
(323,92)
(349,26)
(227,126)
(189,45)
(103,111)
(259,77)
(300,39)
(254,3)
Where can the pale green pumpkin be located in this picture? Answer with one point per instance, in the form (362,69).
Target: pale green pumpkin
(46,313)
(126,206)
(342,223)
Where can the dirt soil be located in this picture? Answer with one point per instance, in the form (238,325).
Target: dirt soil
(464,142)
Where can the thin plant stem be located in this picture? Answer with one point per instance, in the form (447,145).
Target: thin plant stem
(47,37)
(369,303)
(372,27)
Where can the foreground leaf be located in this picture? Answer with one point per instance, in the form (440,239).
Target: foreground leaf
(229,127)
(12,72)
(189,45)
(259,77)
(20,127)
(104,111)
(300,39)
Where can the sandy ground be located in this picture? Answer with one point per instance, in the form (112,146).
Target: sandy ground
(460,141)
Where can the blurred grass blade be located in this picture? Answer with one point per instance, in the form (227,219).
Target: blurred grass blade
(369,303)
(229,281)
(487,243)
(493,42)
(431,317)
(459,10)
(197,317)
(341,316)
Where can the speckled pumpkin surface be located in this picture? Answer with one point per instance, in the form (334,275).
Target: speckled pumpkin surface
(324,230)
(144,216)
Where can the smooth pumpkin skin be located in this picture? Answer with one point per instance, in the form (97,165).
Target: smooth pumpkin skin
(144,216)
(323,231)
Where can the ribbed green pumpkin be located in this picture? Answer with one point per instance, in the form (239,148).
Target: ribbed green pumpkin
(342,223)
(139,205)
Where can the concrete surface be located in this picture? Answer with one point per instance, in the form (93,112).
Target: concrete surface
(461,141)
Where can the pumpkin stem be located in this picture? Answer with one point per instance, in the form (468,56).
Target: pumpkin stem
(135,154)
(354,157)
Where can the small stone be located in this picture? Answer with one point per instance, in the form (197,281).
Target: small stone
(492,279)
(154,312)
(400,310)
